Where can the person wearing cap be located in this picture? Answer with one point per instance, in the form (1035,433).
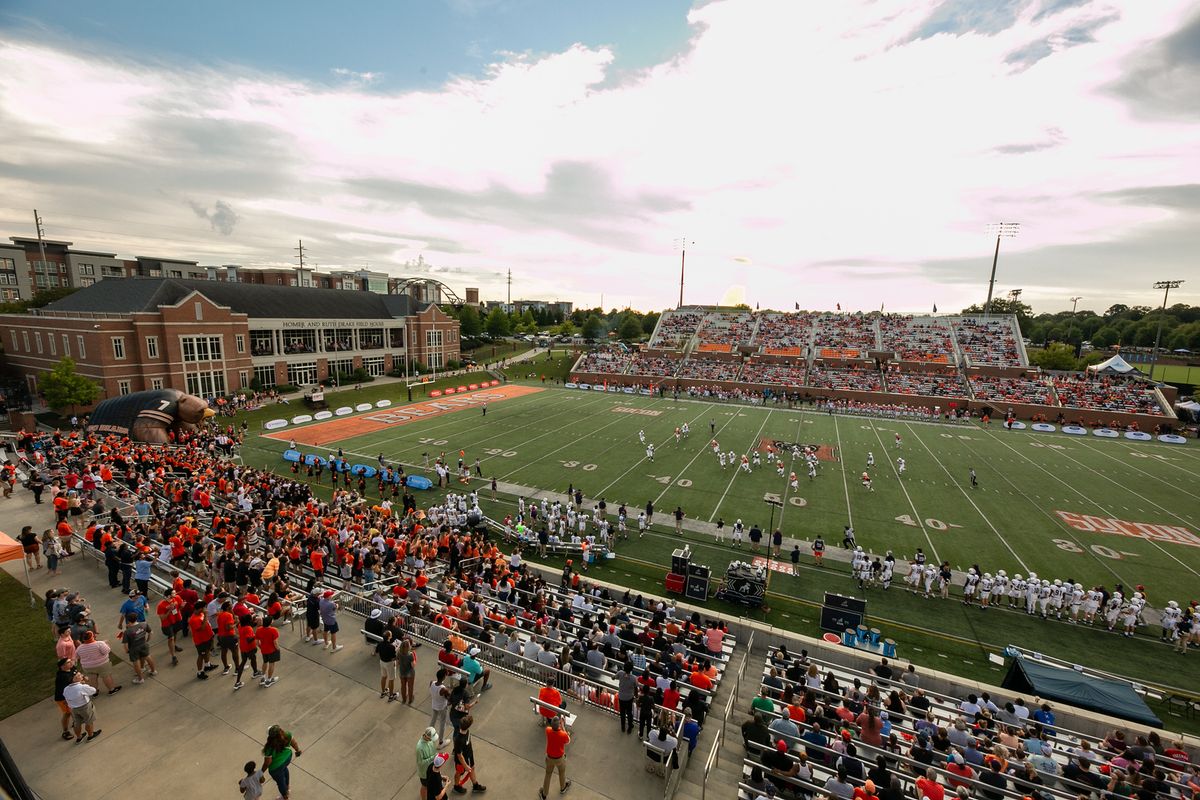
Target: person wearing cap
(78,697)
(866,791)
(427,751)
(435,784)
(776,758)
(961,771)
(93,660)
(63,677)
(136,638)
(476,671)
(557,740)
(329,624)
(783,726)
(134,604)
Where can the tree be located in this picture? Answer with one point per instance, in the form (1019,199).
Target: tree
(649,322)
(631,327)
(64,388)
(1057,356)
(1002,305)
(1105,337)
(567,328)
(469,323)
(497,323)
(1117,310)
(592,327)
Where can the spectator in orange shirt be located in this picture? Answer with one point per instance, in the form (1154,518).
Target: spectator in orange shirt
(268,642)
(929,788)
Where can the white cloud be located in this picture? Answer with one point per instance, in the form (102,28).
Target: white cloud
(817,152)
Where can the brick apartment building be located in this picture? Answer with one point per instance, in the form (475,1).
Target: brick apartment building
(211,337)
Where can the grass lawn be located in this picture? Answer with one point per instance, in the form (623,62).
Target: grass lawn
(1077,508)
(28,649)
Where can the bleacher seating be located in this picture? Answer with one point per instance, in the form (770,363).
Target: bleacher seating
(724,332)
(845,335)
(923,339)
(1017,389)
(992,340)
(1107,393)
(940,383)
(675,328)
(788,374)
(710,369)
(784,334)
(649,366)
(862,379)
(609,361)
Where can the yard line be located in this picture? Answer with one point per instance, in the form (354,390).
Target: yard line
(842,462)
(1129,464)
(737,468)
(706,449)
(982,515)
(788,486)
(903,488)
(643,458)
(1159,547)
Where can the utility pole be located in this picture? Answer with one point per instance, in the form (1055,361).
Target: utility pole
(683,243)
(300,255)
(1166,286)
(1003,230)
(37,223)
(509,303)
(1071,330)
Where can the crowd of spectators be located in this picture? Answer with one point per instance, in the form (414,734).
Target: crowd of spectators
(846,332)
(934,383)
(774,373)
(652,366)
(1107,393)
(710,369)
(727,330)
(785,334)
(988,341)
(926,339)
(1016,389)
(861,379)
(675,328)
(609,361)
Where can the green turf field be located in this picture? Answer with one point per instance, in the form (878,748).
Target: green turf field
(557,437)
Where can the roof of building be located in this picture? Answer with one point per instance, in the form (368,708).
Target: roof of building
(256,300)
(34,240)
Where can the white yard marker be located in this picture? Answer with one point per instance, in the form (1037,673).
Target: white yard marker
(736,471)
(903,488)
(842,461)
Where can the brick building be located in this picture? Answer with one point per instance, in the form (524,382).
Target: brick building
(212,337)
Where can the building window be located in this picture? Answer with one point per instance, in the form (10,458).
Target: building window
(265,376)
(82,349)
(156,383)
(374,367)
(87,269)
(435,359)
(41,281)
(10,294)
(118,343)
(302,374)
(342,366)
(152,346)
(433,338)
(175,273)
(123,387)
(240,341)
(37,338)
(8,279)
(13,334)
(201,348)
(25,339)
(244,379)
(199,310)
(52,340)
(206,384)
(86,281)
(8,263)
(66,344)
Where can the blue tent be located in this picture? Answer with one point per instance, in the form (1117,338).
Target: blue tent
(1114,698)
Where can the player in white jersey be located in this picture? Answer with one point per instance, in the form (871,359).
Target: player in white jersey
(650,451)
(1074,601)
(1170,620)
(885,575)
(583,521)
(1016,591)
(1112,610)
(970,585)
(999,587)
(870,459)
(756,459)
(1033,590)
(738,530)
(986,584)
(930,578)
(745,463)
(900,465)
(621,531)
(641,524)
(1129,618)
(812,472)
(732,456)
(642,436)
(686,431)
(721,459)
(913,578)
(1051,599)
(1091,604)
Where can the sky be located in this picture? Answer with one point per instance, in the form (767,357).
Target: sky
(824,153)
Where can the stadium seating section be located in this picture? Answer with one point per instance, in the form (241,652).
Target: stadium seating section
(1107,393)
(675,329)
(991,341)
(929,340)
(1012,390)
(940,383)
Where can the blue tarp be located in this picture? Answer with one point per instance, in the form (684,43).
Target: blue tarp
(1114,698)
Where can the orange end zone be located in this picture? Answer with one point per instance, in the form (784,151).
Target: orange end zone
(336,430)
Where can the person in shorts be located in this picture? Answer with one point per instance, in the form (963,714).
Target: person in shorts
(202,638)
(267,637)
(78,696)
(136,638)
(386,650)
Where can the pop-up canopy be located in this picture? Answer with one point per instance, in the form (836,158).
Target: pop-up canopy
(1074,688)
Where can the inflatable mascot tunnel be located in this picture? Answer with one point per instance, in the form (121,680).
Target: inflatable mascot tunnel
(149,416)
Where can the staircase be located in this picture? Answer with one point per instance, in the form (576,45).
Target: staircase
(725,774)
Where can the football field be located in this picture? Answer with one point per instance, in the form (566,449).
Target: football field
(1082,508)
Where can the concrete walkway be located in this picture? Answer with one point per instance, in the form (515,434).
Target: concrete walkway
(177,736)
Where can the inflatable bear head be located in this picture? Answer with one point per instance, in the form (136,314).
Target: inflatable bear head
(149,416)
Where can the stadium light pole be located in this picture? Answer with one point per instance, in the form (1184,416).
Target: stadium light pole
(682,244)
(1003,230)
(1074,303)
(1166,286)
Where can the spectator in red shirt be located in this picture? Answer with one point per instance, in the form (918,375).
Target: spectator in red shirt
(247,651)
(929,788)
(447,655)
(169,618)
(268,641)
(202,637)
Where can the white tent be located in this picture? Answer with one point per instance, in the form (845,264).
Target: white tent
(1115,365)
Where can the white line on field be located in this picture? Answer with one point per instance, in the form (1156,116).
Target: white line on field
(706,449)
(642,460)
(982,515)
(737,469)
(1177,485)
(903,488)
(842,462)
(788,485)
